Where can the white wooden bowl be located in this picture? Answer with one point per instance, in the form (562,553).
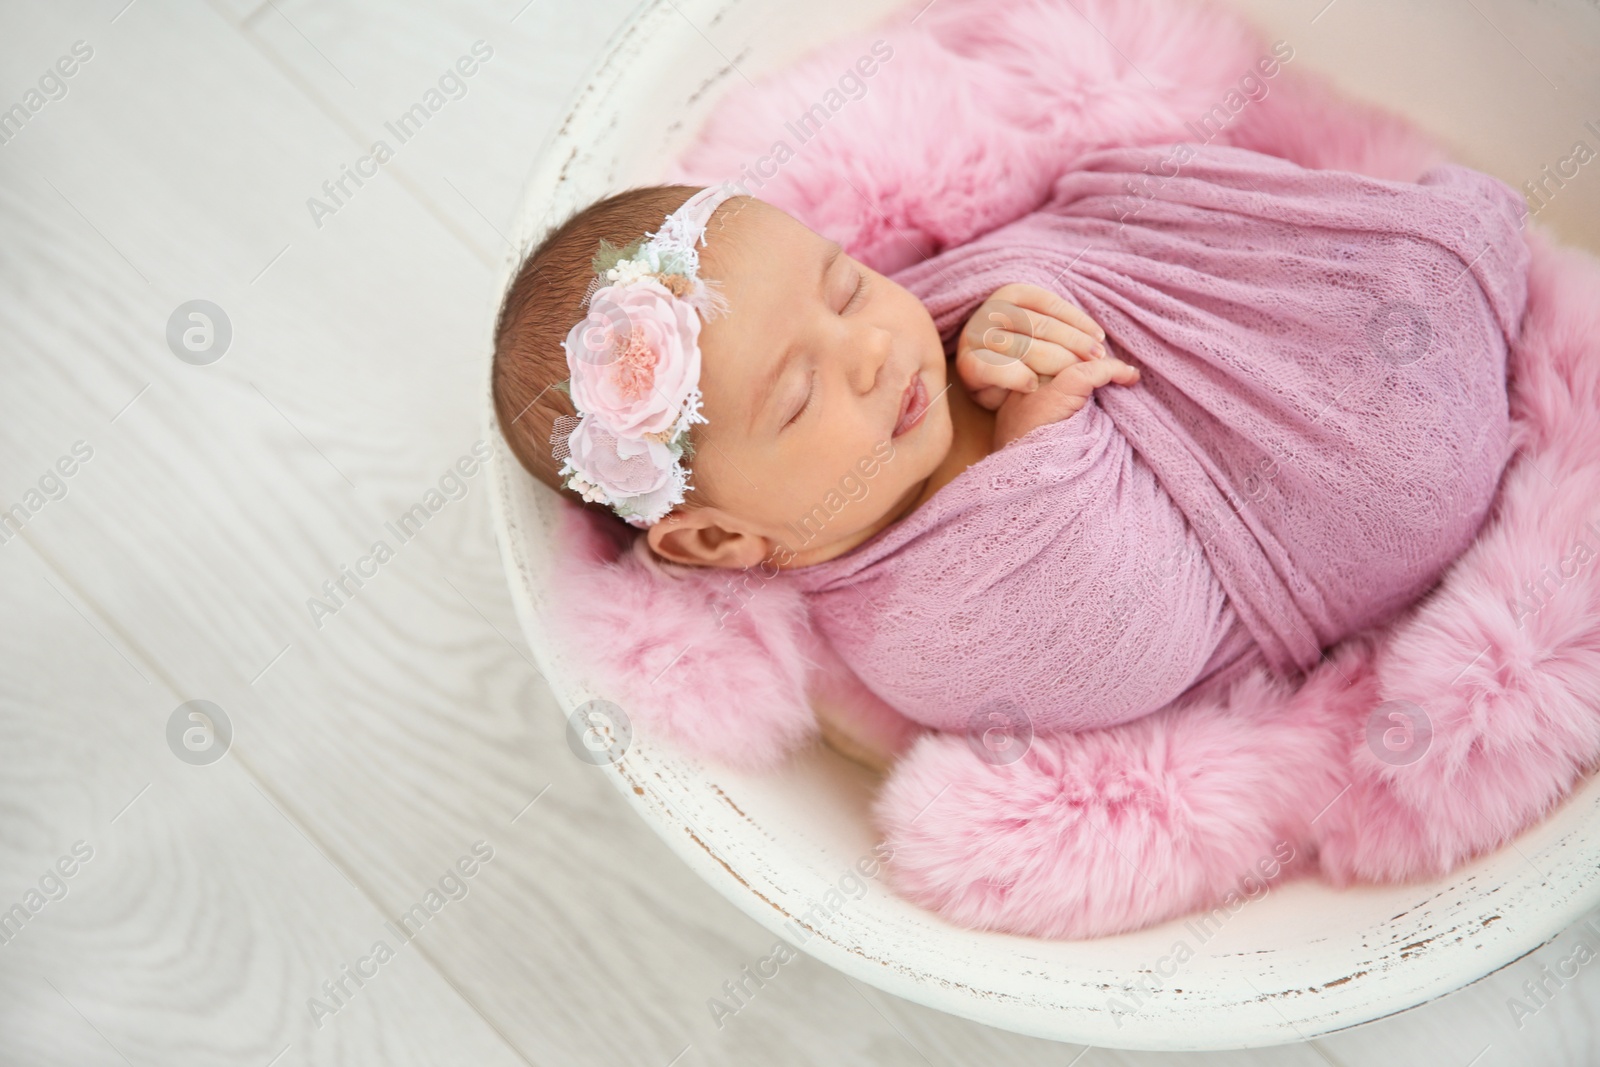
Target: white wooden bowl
(1303,961)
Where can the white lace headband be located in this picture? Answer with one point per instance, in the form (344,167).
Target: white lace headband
(635,366)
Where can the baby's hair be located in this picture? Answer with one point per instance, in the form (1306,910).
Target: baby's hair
(544,302)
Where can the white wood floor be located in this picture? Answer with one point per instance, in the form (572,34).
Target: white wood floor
(375,749)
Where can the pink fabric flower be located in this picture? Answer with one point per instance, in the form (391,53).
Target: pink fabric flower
(635,358)
(624,466)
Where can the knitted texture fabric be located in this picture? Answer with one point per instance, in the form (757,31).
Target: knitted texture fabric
(1319,431)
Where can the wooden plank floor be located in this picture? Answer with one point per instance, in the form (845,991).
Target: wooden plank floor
(233,911)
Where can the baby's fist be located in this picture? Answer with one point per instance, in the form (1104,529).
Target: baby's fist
(1021,334)
(1059,398)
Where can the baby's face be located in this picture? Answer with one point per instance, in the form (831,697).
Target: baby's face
(805,383)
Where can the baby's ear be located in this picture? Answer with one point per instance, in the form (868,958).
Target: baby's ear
(699,538)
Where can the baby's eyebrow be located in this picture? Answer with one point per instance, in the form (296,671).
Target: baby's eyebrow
(764,388)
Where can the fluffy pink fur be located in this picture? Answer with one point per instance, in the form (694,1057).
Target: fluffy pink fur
(982,106)
(1511,691)
(1109,830)
(717,661)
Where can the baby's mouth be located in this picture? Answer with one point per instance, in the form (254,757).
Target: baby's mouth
(913,405)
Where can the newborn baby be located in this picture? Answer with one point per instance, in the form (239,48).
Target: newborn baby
(1202,410)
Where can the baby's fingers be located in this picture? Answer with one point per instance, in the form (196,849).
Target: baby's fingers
(983,368)
(990,397)
(1059,398)
(1043,341)
(1047,303)
(1080,379)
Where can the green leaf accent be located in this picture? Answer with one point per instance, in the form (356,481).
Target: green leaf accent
(673,262)
(610,255)
(565,385)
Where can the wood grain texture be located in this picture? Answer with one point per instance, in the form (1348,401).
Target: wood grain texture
(202,918)
(372,751)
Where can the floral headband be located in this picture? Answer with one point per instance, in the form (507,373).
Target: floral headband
(635,365)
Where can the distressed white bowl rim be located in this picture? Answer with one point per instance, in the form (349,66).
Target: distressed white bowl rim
(1301,961)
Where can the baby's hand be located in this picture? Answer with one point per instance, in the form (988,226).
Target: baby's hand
(1020,334)
(1059,398)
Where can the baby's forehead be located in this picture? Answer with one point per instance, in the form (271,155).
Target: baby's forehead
(736,213)
(766,265)
(764,262)
(752,231)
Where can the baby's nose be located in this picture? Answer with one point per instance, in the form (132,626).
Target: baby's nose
(872,359)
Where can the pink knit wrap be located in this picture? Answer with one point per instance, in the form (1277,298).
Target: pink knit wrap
(1319,431)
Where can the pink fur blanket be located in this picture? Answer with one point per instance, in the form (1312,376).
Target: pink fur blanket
(1409,747)
(1318,432)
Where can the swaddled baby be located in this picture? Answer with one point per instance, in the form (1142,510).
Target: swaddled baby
(1202,410)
